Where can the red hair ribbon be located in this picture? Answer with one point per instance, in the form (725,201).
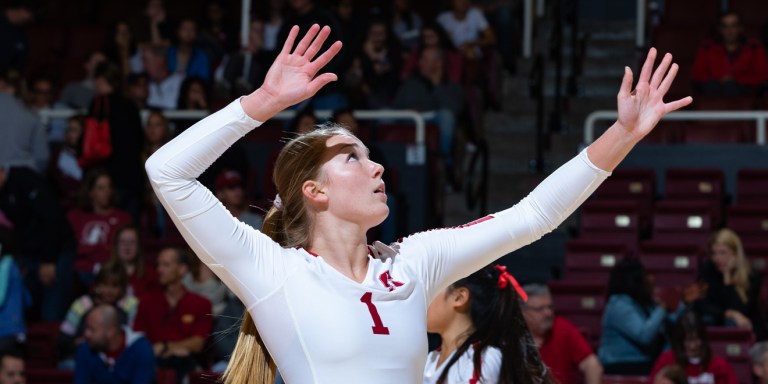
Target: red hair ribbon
(506,278)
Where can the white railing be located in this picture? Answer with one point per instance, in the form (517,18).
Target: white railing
(758,116)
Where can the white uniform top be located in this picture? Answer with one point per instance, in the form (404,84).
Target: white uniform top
(463,370)
(319,325)
(470,28)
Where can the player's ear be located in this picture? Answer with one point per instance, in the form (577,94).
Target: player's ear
(460,299)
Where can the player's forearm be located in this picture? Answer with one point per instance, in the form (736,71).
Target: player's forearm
(193,344)
(611,147)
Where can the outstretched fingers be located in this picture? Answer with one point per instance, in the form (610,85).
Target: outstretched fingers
(326,57)
(306,40)
(658,75)
(626,84)
(645,73)
(290,40)
(667,83)
(677,104)
(314,48)
(320,81)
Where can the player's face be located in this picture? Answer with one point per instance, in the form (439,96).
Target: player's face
(723,257)
(440,312)
(352,182)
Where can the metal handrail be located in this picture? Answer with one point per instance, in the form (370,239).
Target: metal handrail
(419,118)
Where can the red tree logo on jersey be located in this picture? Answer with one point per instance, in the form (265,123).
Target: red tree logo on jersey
(388,281)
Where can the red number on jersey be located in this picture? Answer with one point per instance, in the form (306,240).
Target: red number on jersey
(378,327)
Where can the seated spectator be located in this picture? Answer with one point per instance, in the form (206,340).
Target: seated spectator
(13,297)
(157,131)
(78,94)
(64,170)
(381,63)
(242,72)
(671,374)
(112,353)
(185,57)
(406,24)
(732,64)
(468,28)
(218,34)
(202,281)
(42,97)
(633,324)
(95,222)
(164,85)
(176,321)
(154,26)
(193,95)
(127,251)
(230,191)
(275,12)
(14,45)
(433,35)
(110,287)
(44,238)
(304,121)
(561,345)
(691,350)
(12,370)
(430,90)
(759,356)
(733,287)
(138,89)
(25,142)
(121,48)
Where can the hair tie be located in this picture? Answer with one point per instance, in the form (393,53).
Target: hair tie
(505,279)
(278,203)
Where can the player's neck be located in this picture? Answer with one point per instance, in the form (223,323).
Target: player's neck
(344,249)
(454,335)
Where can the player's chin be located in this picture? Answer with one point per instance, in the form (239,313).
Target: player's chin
(381,213)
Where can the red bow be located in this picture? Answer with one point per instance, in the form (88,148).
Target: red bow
(505,278)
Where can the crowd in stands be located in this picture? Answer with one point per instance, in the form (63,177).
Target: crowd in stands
(87,245)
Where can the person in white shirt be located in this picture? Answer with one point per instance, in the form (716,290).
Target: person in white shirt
(483,331)
(164,86)
(468,28)
(321,304)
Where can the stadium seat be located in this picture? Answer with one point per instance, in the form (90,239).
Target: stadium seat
(592,260)
(757,253)
(749,221)
(682,222)
(752,13)
(582,303)
(691,12)
(41,339)
(693,183)
(614,221)
(629,184)
(671,264)
(751,185)
(733,344)
(49,376)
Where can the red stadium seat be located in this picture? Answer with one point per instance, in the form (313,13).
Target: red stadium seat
(41,339)
(750,221)
(629,183)
(615,221)
(751,185)
(691,12)
(682,222)
(49,376)
(733,344)
(581,302)
(752,13)
(757,253)
(672,264)
(592,261)
(692,183)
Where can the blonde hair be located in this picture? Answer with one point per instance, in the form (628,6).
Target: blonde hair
(741,270)
(290,226)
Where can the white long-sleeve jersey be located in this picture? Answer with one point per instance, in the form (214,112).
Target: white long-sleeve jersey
(319,325)
(463,370)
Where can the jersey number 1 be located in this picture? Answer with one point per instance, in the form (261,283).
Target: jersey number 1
(378,327)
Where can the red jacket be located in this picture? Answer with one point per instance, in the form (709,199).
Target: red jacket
(748,66)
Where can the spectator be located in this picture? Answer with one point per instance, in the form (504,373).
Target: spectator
(731,64)
(127,251)
(125,136)
(433,35)
(79,94)
(275,14)
(45,242)
(406,24)
(138,89)
(381,63)
(24,139)
(562,347)
(185,57)
(733,288)
(468,28)
(193,95)
(110,287)
(218,35)
(671,374)
(304,121)
(352,23)
(176,321)
(13,36)
(633,325)
(154,27)
(95,222)
(157,132)
(691,350)
(64,170)
(759,355)
(121,48)
(12,370)
(13,297)
(242,72)
(505,17)
(112,352)
(230,191)
(41,95)
(431,90)
(164,86)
